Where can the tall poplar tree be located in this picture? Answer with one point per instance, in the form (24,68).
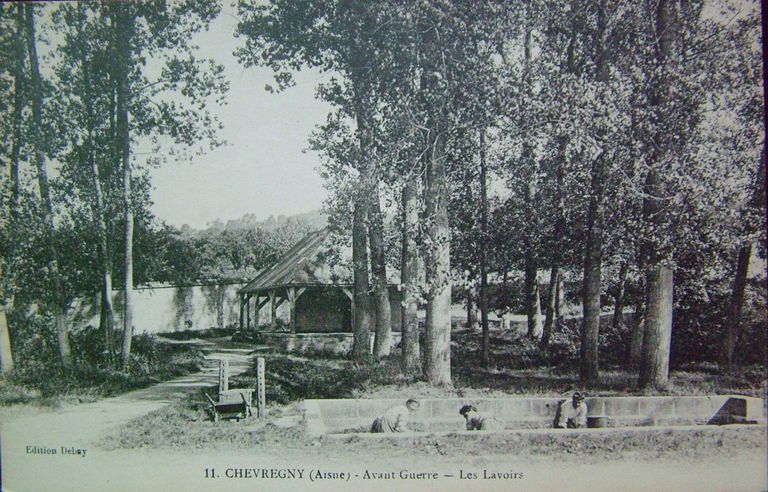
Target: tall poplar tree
(57,294)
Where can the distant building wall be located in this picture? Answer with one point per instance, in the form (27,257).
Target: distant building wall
(168,308)
(160,309)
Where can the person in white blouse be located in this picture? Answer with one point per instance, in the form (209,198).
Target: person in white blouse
(395,419)
(573,414)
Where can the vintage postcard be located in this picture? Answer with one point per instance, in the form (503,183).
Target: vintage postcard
(383,245)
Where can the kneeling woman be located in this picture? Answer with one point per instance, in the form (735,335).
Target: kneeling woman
(476,422)
(396,418)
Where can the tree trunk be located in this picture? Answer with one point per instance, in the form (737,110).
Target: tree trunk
(485,349)
(410,276)
(593,255)
(471,314)
(361,223)
(549,320)
(437,364)
(18,107)
(589,373)
(618,300)
(733,320)
(57,287)
(362,315)
(530,291)
(530,264)
(124,31)
(538,326)
(531,224)
(106,319)
(732,323)
(106,311)
(6,354)
(638,330)
(560,302)
(654,370)
(382,343)
(554,301)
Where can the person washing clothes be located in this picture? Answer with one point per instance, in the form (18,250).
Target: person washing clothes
(396,418)
(573,414)
(477,422)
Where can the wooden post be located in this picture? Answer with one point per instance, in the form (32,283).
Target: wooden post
(223,375)
(292,307)
(261,410)
(273,310)
(248,311)
(256,312)
(242,312)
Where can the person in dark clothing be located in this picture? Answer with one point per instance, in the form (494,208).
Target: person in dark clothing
(477,422)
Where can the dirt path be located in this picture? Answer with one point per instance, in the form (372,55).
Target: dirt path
(80,426)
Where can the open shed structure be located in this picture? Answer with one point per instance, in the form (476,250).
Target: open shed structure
(314,277)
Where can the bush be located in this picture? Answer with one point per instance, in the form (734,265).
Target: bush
(39,374)
(212,332)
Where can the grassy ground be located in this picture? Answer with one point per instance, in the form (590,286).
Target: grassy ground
(48,383)
(292,378)
(582,447)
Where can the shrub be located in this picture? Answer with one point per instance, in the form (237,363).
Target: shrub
(39,373)
(212,332)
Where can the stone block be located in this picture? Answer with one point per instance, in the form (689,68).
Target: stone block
(755,409)
(616,407)
(657,406)
(312,416)
(373,408)
(544,407)
(446,407)
(736,409)
(339,409)
(312,409)
(694,407)
(512,408)
(595,406)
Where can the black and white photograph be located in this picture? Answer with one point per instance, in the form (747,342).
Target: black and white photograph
(377,245)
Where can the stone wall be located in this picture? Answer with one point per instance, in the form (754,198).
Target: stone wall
(340,416)
(162,309)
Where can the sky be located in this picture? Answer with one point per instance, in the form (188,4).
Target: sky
(263,169)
